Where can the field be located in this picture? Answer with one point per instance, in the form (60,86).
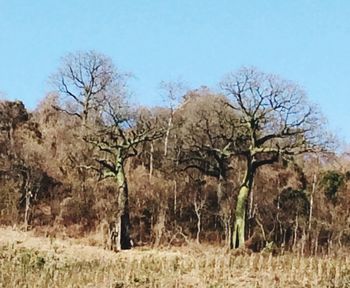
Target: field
(31,261)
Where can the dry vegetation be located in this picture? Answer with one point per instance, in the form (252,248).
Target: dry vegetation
(29,261)
(250,167)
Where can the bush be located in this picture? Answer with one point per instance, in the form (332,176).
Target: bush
(75,211)
(9,199)
(331,182)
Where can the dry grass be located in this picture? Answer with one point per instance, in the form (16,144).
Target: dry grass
(27,261)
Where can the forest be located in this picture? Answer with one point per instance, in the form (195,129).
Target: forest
(250,166)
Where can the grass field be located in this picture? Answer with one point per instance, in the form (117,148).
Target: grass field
(29,261)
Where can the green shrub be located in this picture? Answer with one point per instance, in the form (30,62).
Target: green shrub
(331,182)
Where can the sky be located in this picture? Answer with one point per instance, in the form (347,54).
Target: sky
(198,41)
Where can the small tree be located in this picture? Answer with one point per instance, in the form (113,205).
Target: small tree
(276,120)
(173,93)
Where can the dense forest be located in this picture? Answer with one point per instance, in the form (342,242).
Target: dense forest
(251,165)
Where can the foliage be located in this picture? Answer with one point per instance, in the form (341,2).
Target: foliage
(331,182)
(294,202)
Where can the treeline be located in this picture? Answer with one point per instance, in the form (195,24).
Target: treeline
(250,165)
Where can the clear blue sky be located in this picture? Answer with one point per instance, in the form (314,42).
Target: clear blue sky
(199,41)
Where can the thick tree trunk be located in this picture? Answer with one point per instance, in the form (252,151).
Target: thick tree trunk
(238,235)
(239,226)
(121,239)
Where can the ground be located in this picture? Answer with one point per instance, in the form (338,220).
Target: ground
(27,260)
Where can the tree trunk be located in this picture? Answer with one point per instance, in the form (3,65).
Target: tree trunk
(151,162)
(175,201)
(26,211)
(312,201)
(121,237)
(168,132)
(198,228)
(220,192)
(228,232)
(239,226)
(160,226)
(241,209)
(27,195)
(295,233)
(197,209)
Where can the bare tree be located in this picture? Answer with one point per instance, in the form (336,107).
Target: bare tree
(276,120)
(207,134)
(98,97)
(114,142)
(173,93)
(198,199)
(84,81)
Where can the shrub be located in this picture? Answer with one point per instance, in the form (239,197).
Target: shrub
(331,182)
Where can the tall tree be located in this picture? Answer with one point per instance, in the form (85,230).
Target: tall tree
(98,97)
(207,134)
(277,120)
(115,141)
